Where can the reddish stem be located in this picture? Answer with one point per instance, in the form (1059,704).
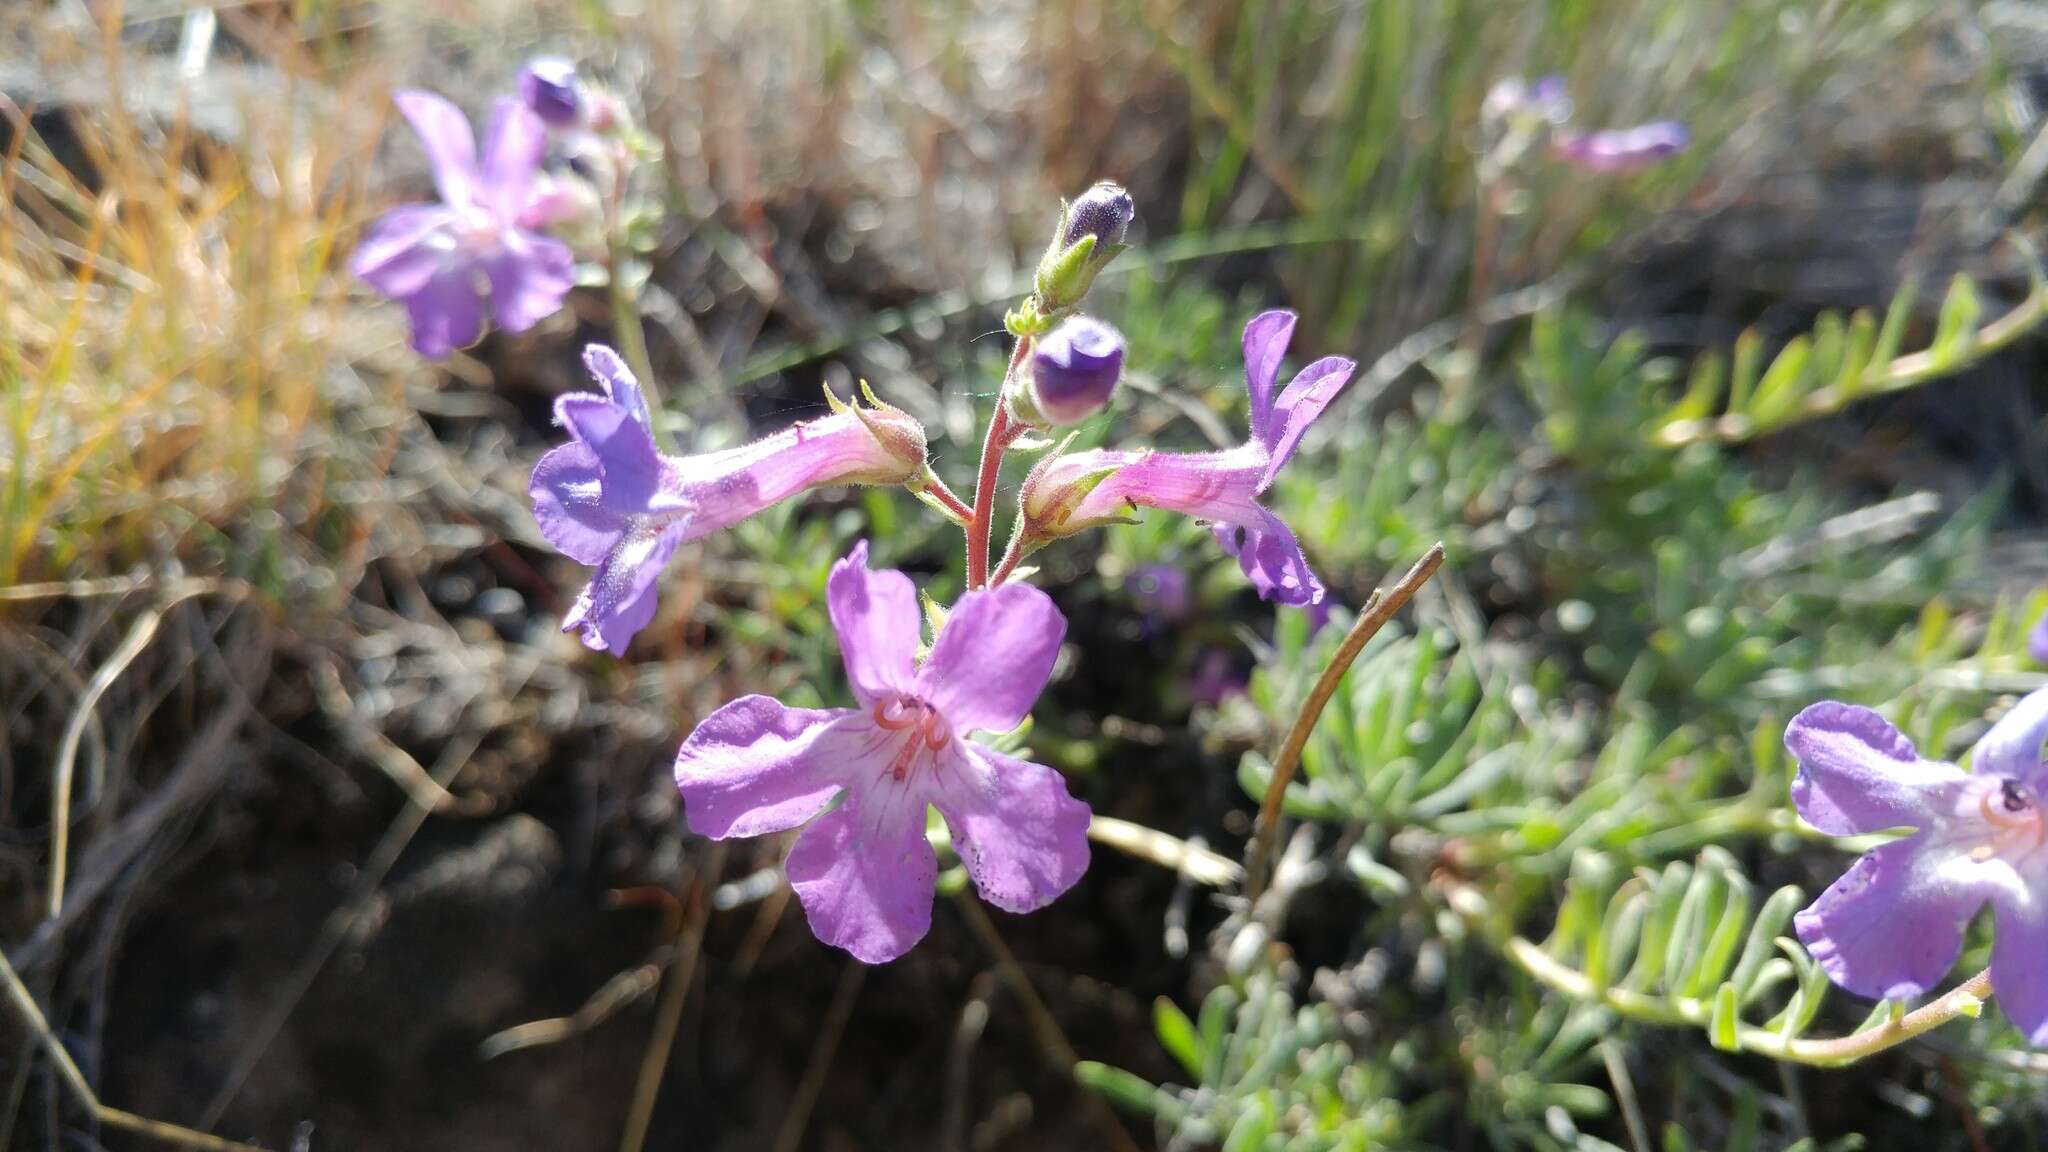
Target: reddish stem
(1001,434)
(1011,555)
(938,490)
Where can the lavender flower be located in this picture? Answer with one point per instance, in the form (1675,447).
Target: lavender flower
(1067,494)
(439,260)
(864,871)
(1893,925)
(2037,640)
(548,85)
(611,500)
(1074,371)
(1624,149)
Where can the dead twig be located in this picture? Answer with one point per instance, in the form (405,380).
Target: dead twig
(1379,609)
(31,1014)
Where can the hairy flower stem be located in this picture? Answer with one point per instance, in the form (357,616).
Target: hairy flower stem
(1379,609)
(1966,999)
(632,338)
(1001,434)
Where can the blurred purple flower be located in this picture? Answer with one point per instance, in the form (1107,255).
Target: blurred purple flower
(1066,494)
(1546,101)
(1216,679)
(610,499)
(2037,640)
(440,260)
(1624,149)
(1319,614)
(1074,370)
(548,85)
(1161,593)
(864,871)
(1892,926)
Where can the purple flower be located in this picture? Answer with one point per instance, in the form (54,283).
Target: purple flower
(1161,593)
(1066,494)
(2037,640)
(1511,97)
(549,87)
(610,499)
(1893,925)
(440,260)
(1624,149)
(864,871)
(1074,370)
(1216,679)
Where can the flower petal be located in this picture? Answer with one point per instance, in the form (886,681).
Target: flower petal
(451,147)
(876,616)
(1859,774)
(865,875)
(617,380)
(447,313)
(621,597)
(1023,837)
(621,447)
(568,493)
(993,658)
(2019,958)
(756,766)
(530,275)
(514,145)
(1303,400)
(1265,344)
(2013,745)
(403,249)
(1271,558)
(1892,926)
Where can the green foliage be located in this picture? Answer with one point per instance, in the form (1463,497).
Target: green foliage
(1266,1073)
(1842,361)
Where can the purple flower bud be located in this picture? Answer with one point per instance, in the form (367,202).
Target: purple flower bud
(1074,369)
(548,85)
(1104,212)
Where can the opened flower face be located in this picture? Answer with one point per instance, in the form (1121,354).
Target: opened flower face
(864,871)
(1066,494)
(1893,926)
(610,499)
(441,260)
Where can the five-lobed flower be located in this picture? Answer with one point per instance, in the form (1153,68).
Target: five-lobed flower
(1892,926)
(864,870)
(1071,493)
(481,240)
(611,499)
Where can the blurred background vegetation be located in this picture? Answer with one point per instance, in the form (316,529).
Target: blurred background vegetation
(304,801)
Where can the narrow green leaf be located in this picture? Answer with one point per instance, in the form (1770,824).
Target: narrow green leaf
(1955,329)
(1177,1035)
(1749,362)
(1784,386)
(1722,1028)
(1893,333)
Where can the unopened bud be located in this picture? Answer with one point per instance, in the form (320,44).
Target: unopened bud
(548,85)
(1072,372)
(1104,212)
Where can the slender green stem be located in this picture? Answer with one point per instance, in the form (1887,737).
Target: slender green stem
(632,337)
(1379,609)
(1966,999)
